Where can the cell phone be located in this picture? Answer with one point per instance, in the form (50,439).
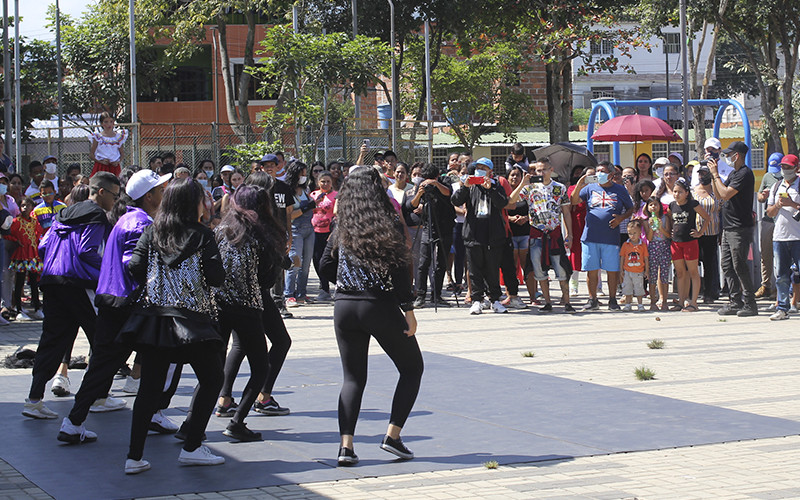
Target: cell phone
(366,142)
(591,179)
(475,180)
(783,195)
(537,178)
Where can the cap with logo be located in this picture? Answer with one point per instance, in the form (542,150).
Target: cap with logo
(143,181)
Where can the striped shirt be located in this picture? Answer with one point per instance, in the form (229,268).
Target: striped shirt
(711,205)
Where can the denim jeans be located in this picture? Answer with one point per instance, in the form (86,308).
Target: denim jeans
(785,254)
(735,248)
(302,247)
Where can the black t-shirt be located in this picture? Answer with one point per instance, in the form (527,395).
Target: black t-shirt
(284,196)
(519,229)
(684,219)
(738,211)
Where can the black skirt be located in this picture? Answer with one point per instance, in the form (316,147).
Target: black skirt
(144,330)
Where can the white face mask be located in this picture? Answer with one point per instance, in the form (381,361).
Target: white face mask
(51,168)
(303,179)
(417,180)
(789,174)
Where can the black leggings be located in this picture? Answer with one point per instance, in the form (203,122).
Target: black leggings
(280,340)
(206,362)
(320,240)
(354,322)
(19,283)
(248,337)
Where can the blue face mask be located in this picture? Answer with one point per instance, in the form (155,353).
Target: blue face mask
(480,173)
(209,173)
(602,177)
(204,183)
(3,189)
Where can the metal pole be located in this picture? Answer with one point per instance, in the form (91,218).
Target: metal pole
(357,100)
(214,82)
(7,115)
(134,111)
(296,28)
(666,70)
(684,80)
(59,77)
(17,93)
(428,88)
(394,77)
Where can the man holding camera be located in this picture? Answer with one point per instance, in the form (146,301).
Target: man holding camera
(783,206)
(737,227)
(438,219)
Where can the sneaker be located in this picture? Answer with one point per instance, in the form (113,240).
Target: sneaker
(284,313)
(612,304)
(162,424)
(772,307)
(419,302)
(324,296)
(779,315)
(23,316)
(226,411)
(37,315)
(627,307)
(569,309)
(516,303)
(546,308)
(201,456)
(347,457)
(38,410)
(270,408)
(729,309)
(793,309)
(498,307)
(131,385)
(136,466)
(748,310)
(486,304)
(475,308)
(75,434)
(60,386)
(292,302)
(591,305)
(107,404)
(640,308)
(396,447)
(240,432)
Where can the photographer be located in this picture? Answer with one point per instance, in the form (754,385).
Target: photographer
(783,206)
(438,219)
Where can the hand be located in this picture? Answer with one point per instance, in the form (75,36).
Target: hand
(487,182)
(616,221)
(412,324)
(712,165)
(364,148)
(567,241)
(786,202)
(694,233)
(105,162)
(526,178)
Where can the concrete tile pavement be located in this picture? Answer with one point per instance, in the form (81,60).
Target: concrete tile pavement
(744,364)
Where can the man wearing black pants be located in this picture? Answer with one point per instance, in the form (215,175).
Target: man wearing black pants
(737,229)
(71,267)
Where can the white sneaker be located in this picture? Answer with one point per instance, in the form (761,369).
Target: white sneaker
(38,315)
(486,304)
(23,316)
(498,307)
(200,456)
(627,307)
(162,424)
(793,309)
(640,308)
(107,404)
(131,385)
(475,308)
(779,315)
(60,386)
(136,466)
(71,433)
(517,303)
(772,307)
(38,410)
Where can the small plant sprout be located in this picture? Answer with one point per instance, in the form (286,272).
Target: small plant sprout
(656,344)
(528,354)
(491,464)
(644,373)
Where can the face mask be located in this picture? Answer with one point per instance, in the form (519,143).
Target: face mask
(3,189)
(203,182)
(660,171)
(417,180)
(480,173)
(51,168)
(209,173)
(714,155)
(789,174)
(602,177)
(705,177)
(303,179)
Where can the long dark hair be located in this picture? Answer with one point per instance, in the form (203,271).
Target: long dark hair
(649,170)
(242,222)
(178,211)
(269,212)
(367,222)
(637,195)
(293,173)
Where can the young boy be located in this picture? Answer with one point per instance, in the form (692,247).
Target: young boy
(46,211)
(634,265)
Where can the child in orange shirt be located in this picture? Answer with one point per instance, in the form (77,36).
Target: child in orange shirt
(634,263)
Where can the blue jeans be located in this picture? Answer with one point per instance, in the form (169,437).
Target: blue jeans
(302,247)
(785,253)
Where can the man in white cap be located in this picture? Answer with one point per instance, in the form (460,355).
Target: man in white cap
(114,302)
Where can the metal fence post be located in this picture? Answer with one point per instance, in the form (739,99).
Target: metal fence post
(215,143)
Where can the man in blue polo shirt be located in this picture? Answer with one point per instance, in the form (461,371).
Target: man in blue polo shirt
(608,204)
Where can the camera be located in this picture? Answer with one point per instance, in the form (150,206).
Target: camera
(796,216)
(537,178)
(703,163)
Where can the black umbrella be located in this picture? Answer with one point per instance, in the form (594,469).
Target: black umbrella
(564,156)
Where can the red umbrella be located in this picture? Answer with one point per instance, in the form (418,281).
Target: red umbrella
(632,128)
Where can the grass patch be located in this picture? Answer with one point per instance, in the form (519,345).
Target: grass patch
(491,464)
(656,344)
(528,354)
(644,373)
(722,320)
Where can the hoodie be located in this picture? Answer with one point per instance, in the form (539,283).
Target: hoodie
(72,249)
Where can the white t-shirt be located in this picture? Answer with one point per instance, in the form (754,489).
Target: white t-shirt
(786,228)
(108,147)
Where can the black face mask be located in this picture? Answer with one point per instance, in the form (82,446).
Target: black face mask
(705,177)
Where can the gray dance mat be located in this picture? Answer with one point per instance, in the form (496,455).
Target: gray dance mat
(467,413)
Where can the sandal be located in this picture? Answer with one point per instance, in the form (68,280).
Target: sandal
(689,309)
(676,307)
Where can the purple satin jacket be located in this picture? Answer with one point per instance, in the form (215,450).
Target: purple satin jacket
(116,285)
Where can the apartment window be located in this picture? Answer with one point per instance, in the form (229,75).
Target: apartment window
(601,48)
(759,162)
(602,152)
(672,43)
(600,92)
(660,150)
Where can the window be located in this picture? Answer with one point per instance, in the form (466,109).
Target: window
(672,43)
(192,84)
(600,92)
(602,152)
(255,93)
(644,93)
(660,150)
(499,155)
(601,48)
(759,162)
(440,158)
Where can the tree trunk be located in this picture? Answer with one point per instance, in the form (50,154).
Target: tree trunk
(244,79)
(698,112)
(227,79)
(789,50)
(554,110)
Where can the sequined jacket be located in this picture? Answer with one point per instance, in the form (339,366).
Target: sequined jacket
(179,284)
(357,282)
(249,269)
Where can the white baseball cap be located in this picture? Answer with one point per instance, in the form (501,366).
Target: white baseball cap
(713,142)
(227,168)
(143,181)
(661,161)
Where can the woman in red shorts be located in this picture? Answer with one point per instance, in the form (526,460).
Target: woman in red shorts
(685,250)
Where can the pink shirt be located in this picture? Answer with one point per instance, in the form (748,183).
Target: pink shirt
(323,213)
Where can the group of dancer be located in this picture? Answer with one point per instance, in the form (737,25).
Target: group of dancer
(136,268)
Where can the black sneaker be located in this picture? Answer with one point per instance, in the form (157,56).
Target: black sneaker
(729,309)
(546,308)
(285,314)
(347,457)
(591,305)
(396,447)
(270,408)
(181,434)
(612,304)
(569,309)
(226,411)
(748,310)
(419,302)
(240,432)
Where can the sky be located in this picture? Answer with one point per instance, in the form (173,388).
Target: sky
(34,12)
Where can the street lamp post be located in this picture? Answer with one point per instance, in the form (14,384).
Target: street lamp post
(134,111)
(394,77)
(7,116)
(17,93)
(428,88)
(59,77)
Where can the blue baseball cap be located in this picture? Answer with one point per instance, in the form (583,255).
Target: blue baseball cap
(486,162)
(774,163)
(270,157)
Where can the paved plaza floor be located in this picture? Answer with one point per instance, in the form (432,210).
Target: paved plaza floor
(568,419)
